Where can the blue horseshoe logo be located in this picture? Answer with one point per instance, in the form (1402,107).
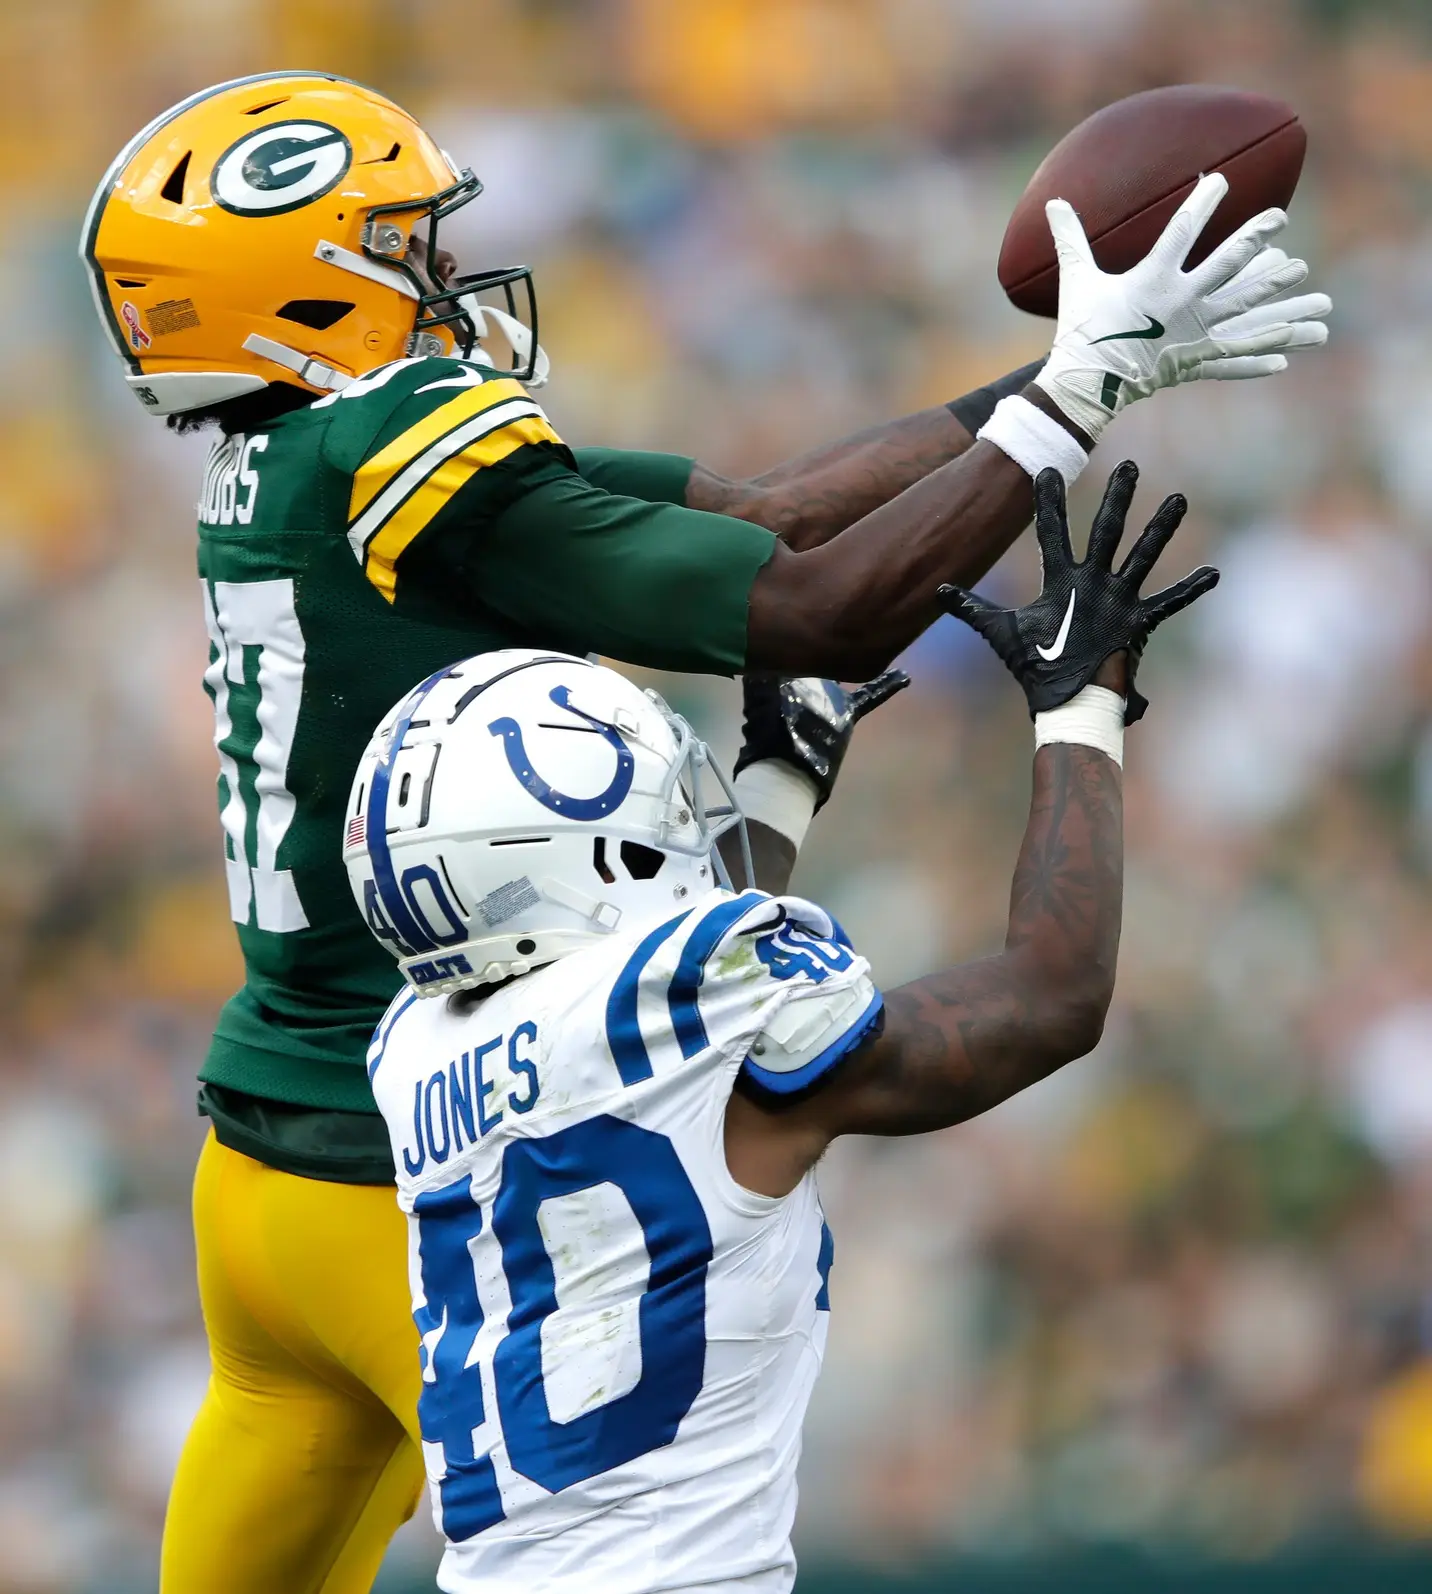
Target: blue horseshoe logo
(569,807)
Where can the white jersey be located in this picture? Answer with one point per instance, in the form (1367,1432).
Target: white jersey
(619,1341)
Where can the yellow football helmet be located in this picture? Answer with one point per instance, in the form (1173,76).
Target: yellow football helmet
(259,231)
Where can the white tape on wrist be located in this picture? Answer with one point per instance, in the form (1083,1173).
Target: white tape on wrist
(1092,718)
(774,793)
(1032,439)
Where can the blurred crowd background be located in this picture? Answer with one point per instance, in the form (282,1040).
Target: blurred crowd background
(1179,1298)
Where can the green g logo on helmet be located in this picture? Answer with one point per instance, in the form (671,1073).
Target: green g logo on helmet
(280,168)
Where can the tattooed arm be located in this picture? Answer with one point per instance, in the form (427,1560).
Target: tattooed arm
(812,498)
(961,1041)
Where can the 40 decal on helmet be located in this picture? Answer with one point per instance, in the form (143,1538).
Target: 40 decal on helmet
(284,227)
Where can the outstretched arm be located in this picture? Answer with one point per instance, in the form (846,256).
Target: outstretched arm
(848,607)
(868,593)
(961,1041)
(674,587)
(812,498)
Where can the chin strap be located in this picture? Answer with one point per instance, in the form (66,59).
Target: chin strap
(484,317)
(362,266)
(317,374)
(308,369)
(518,336)
(490,960)
(605,915)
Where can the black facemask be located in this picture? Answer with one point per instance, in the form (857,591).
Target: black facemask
(441,306)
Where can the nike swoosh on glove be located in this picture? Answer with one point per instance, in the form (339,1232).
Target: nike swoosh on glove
(1054,646)
(1122,336)
(808,722)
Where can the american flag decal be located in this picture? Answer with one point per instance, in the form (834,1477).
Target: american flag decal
(357,829)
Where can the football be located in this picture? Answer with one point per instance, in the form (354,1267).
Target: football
(1127,168)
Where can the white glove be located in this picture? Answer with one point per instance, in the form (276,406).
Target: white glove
(1122,337)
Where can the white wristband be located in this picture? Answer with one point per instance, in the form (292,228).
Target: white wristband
(1091,718)
(775,794)
(1032,439)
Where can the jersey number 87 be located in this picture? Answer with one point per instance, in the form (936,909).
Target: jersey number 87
(256,723)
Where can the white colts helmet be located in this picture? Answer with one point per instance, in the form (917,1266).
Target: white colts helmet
(521,805)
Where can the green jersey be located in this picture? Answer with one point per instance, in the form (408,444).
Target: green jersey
(351,548)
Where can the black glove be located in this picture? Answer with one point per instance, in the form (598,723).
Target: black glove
(1054,646)
(807,722)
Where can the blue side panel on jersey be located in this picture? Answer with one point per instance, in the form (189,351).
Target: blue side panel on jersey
(822,1266)
(623,1021)
(672,1315)
(823,1062)
(451,1405)
(686,982)
(385,1030)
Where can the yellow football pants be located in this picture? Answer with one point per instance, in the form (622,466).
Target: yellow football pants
(304,1458)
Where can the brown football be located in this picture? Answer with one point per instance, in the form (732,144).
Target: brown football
(1127,168)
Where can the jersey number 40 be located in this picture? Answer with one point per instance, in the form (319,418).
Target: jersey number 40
(671,1316)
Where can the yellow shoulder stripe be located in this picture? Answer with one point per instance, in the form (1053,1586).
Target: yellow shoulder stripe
(373,475)
(387,545)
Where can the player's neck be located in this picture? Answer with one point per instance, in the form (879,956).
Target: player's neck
(250,412)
